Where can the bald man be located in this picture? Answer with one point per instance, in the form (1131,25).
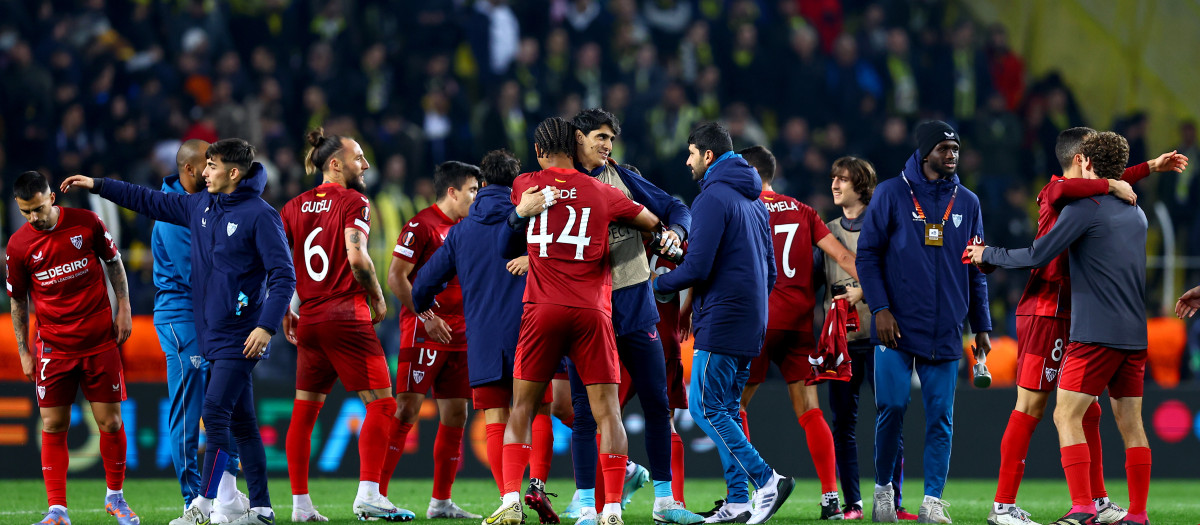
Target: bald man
(187,370)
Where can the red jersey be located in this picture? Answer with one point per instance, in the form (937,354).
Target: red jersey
(568,243)
(422,236)
(1048,292)
(61,270)
(315,223)
(795,229)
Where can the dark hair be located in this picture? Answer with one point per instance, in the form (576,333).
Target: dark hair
(232,151)
(862,176)
(632,168)
(321,148)
(1068,144)
(500,167)
(762,159)
(555,135)
(710,136)
(452,174)
(29,184)
(592,119)
(1108,151)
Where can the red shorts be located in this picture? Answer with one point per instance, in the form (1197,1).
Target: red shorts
(100,376)
(498,394)
(550,331)
(445,370)
(1089,369)
(789,350)
(346,350)
(1041,342)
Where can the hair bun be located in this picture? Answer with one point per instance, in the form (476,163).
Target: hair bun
(316,137)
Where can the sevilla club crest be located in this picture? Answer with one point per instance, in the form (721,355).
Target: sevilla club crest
(77,241)
(418,375)
(41,390)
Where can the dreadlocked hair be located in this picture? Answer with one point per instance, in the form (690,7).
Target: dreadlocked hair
(555,135)
(320,148)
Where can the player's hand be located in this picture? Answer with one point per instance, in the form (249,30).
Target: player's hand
(1188,303)
(535,201)
(853,295)
(378,309)
(78,181)
(1122,190)
(983,345)
(887,329)
(438,330)
(518,266)
(669,238)
(975,253)
(256,343)
(27,367)
(428,314)
(685,326)
(123,325)
(290,320)
(1171,161)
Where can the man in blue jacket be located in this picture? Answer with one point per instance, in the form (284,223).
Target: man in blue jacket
(911,271)
(730,266)
(187,370)
(242,280)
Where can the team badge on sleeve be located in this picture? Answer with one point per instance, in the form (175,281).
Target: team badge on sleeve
(77,241)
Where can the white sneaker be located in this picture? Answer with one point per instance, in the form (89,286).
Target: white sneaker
(1012,515)
(731,513)
(933,510)
(769,498)
(192,516)
(254,518)
(228,512)
(379,507)
(447,509)
(1108,512)
(300,515)
(884,509)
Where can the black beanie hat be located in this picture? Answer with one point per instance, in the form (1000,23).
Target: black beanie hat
(930,133)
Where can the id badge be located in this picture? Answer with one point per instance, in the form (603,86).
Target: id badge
(934,234)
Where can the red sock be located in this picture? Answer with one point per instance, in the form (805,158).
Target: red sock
(1091,432)
(372,437)
(298,447)
(54,466)
(677,467)
(820,447)
(745,424)
(495,452)
(112,453)
(516,458)
(1075,459)
(569,419)
(1014,446)
(447,454)
(613,467)
(543,447)
(1137,471)
(395,448)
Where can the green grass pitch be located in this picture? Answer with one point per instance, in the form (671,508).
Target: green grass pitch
(1172,502)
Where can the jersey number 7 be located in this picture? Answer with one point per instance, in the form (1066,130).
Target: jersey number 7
(543,239)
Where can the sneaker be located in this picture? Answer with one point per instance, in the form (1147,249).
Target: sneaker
(537,499)
(379,507)
(903,514)
(852,512)
(1012,515)
(192,516)
(118,508)
(717,505)
(633,481)
(1076,518)
(831,508)
(300,515)
(884,506)
(573,508)
(675,512)
(587,517)
(58,517)
(227,512)
(448,509)
(769,498)
(510,514)
(731,513)
(612,519)
(1108,512)
(933,510)
(254,518)
(1129,521)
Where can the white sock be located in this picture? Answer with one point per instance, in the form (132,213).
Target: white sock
(1001,507)
(302,501)
(737,508)
(663,502)
(59,507)
(629,468)
(883,487)
(434,502)
(511,497)
(265,512)
(1101,503)
(368,489)
(612,508)
(930,499)
(227,490)
(202,503)
(587,512)
(111,492)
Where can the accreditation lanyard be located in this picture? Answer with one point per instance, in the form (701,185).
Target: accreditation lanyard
(934,233)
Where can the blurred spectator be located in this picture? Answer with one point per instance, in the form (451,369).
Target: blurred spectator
(805,77)
(848,78)
(506,126)
(1006,68)
(670,122)
(972,81)
(898,75)
(502,34)
(586,22)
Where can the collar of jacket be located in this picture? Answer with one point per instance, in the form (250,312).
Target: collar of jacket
(728,155)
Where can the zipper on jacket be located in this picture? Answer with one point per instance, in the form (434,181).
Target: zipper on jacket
(937,277)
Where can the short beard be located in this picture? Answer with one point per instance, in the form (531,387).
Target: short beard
(357,185)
